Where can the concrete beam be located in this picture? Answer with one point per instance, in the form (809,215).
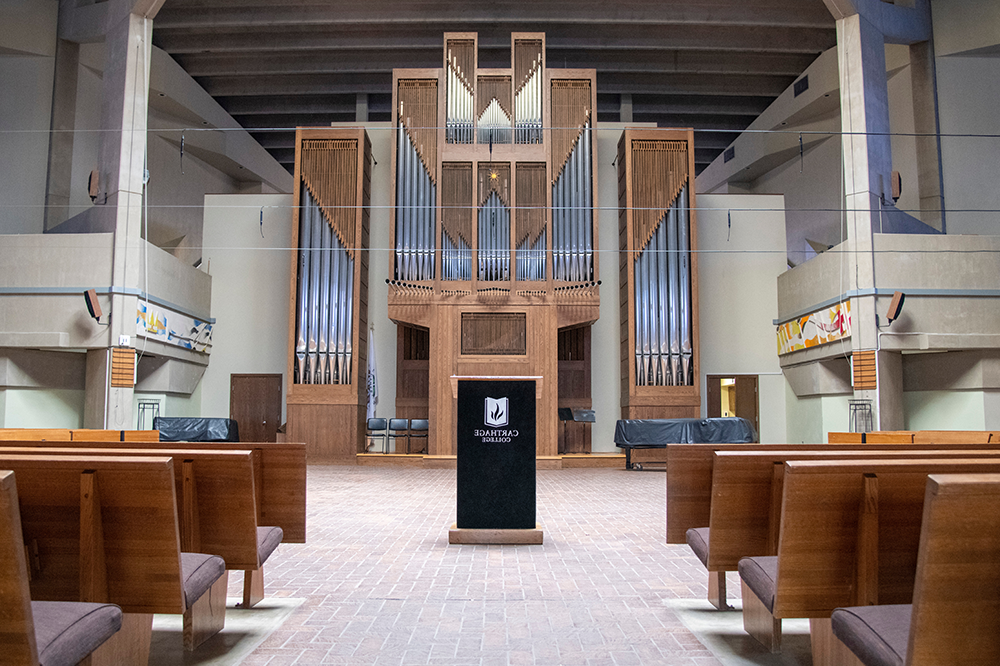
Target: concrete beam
(898,23)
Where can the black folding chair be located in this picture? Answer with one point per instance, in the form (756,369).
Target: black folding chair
(418,431)
(397,426)
(377,430)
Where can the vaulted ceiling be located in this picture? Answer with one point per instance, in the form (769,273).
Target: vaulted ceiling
(714,65)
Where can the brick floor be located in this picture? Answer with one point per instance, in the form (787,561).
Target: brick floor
(382,586)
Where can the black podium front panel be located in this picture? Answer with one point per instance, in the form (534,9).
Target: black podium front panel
(496,454)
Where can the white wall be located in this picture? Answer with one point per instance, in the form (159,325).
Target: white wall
(738,267)
(378,267)
(810,419)
(605,352)
(250,266)
(943,410)
(27,58)
(24,141)
(42,408)
(968,90)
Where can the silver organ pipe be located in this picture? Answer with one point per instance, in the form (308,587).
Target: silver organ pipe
(416,206)
(301,326)
(459,120)
(494,123)
(684,254)
(325,295)
(663,353)
(528,107)
(530,258)
(494,239)
(572,215)
(321,372)
(457,259)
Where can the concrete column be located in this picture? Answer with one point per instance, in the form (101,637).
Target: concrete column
(864,106)
(625,108)
(121,158)
(361,108)
(889,408)
(925,124)
(57,192)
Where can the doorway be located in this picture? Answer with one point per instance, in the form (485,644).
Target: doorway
(734,395)
(255,405)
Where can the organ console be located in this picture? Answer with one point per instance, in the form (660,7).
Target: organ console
(494,269)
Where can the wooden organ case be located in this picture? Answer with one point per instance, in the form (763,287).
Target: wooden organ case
(658,269)
(327,362)
(494,233)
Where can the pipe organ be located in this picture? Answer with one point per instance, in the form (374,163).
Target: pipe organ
(329,291)
(657,232)
(495,252)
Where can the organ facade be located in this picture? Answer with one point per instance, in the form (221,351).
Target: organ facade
(495,269)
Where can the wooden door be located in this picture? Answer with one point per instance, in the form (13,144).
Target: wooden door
(746,401)
(255,404)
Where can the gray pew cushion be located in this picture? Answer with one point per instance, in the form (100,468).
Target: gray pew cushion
(697,538)
(67,631)
(877,635)
(199,572)
(760,574)
(268,539)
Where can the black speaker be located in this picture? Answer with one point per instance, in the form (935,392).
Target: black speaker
(895,306)
(93,307)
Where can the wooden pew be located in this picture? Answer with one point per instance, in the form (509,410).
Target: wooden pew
(27,633)
(216,505)
(279,476)
(746,501)
(916,436)
(973,436)
(850,531)
(689,477)
(105,530)
(955,614)
(34,434)
(92,435)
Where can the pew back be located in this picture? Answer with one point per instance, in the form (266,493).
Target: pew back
(689,477)
(101,529)
(215,498)
(850,531)
(17,631)
(956,608)
(279,476)
(747,489)
(34,434)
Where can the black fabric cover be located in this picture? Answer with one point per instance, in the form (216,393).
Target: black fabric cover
(760,574)
(199,572)
(183,429)
(67,631)
(877,635)
(697,538)
(653,433)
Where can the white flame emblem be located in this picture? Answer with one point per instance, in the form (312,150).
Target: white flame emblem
(496,412)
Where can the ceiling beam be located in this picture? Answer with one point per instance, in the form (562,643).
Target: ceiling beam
(445,16)
(375,37)
(626,60)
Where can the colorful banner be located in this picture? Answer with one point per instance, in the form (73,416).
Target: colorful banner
(815,328)
(173,328)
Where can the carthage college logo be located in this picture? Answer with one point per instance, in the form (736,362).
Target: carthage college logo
(496,412)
